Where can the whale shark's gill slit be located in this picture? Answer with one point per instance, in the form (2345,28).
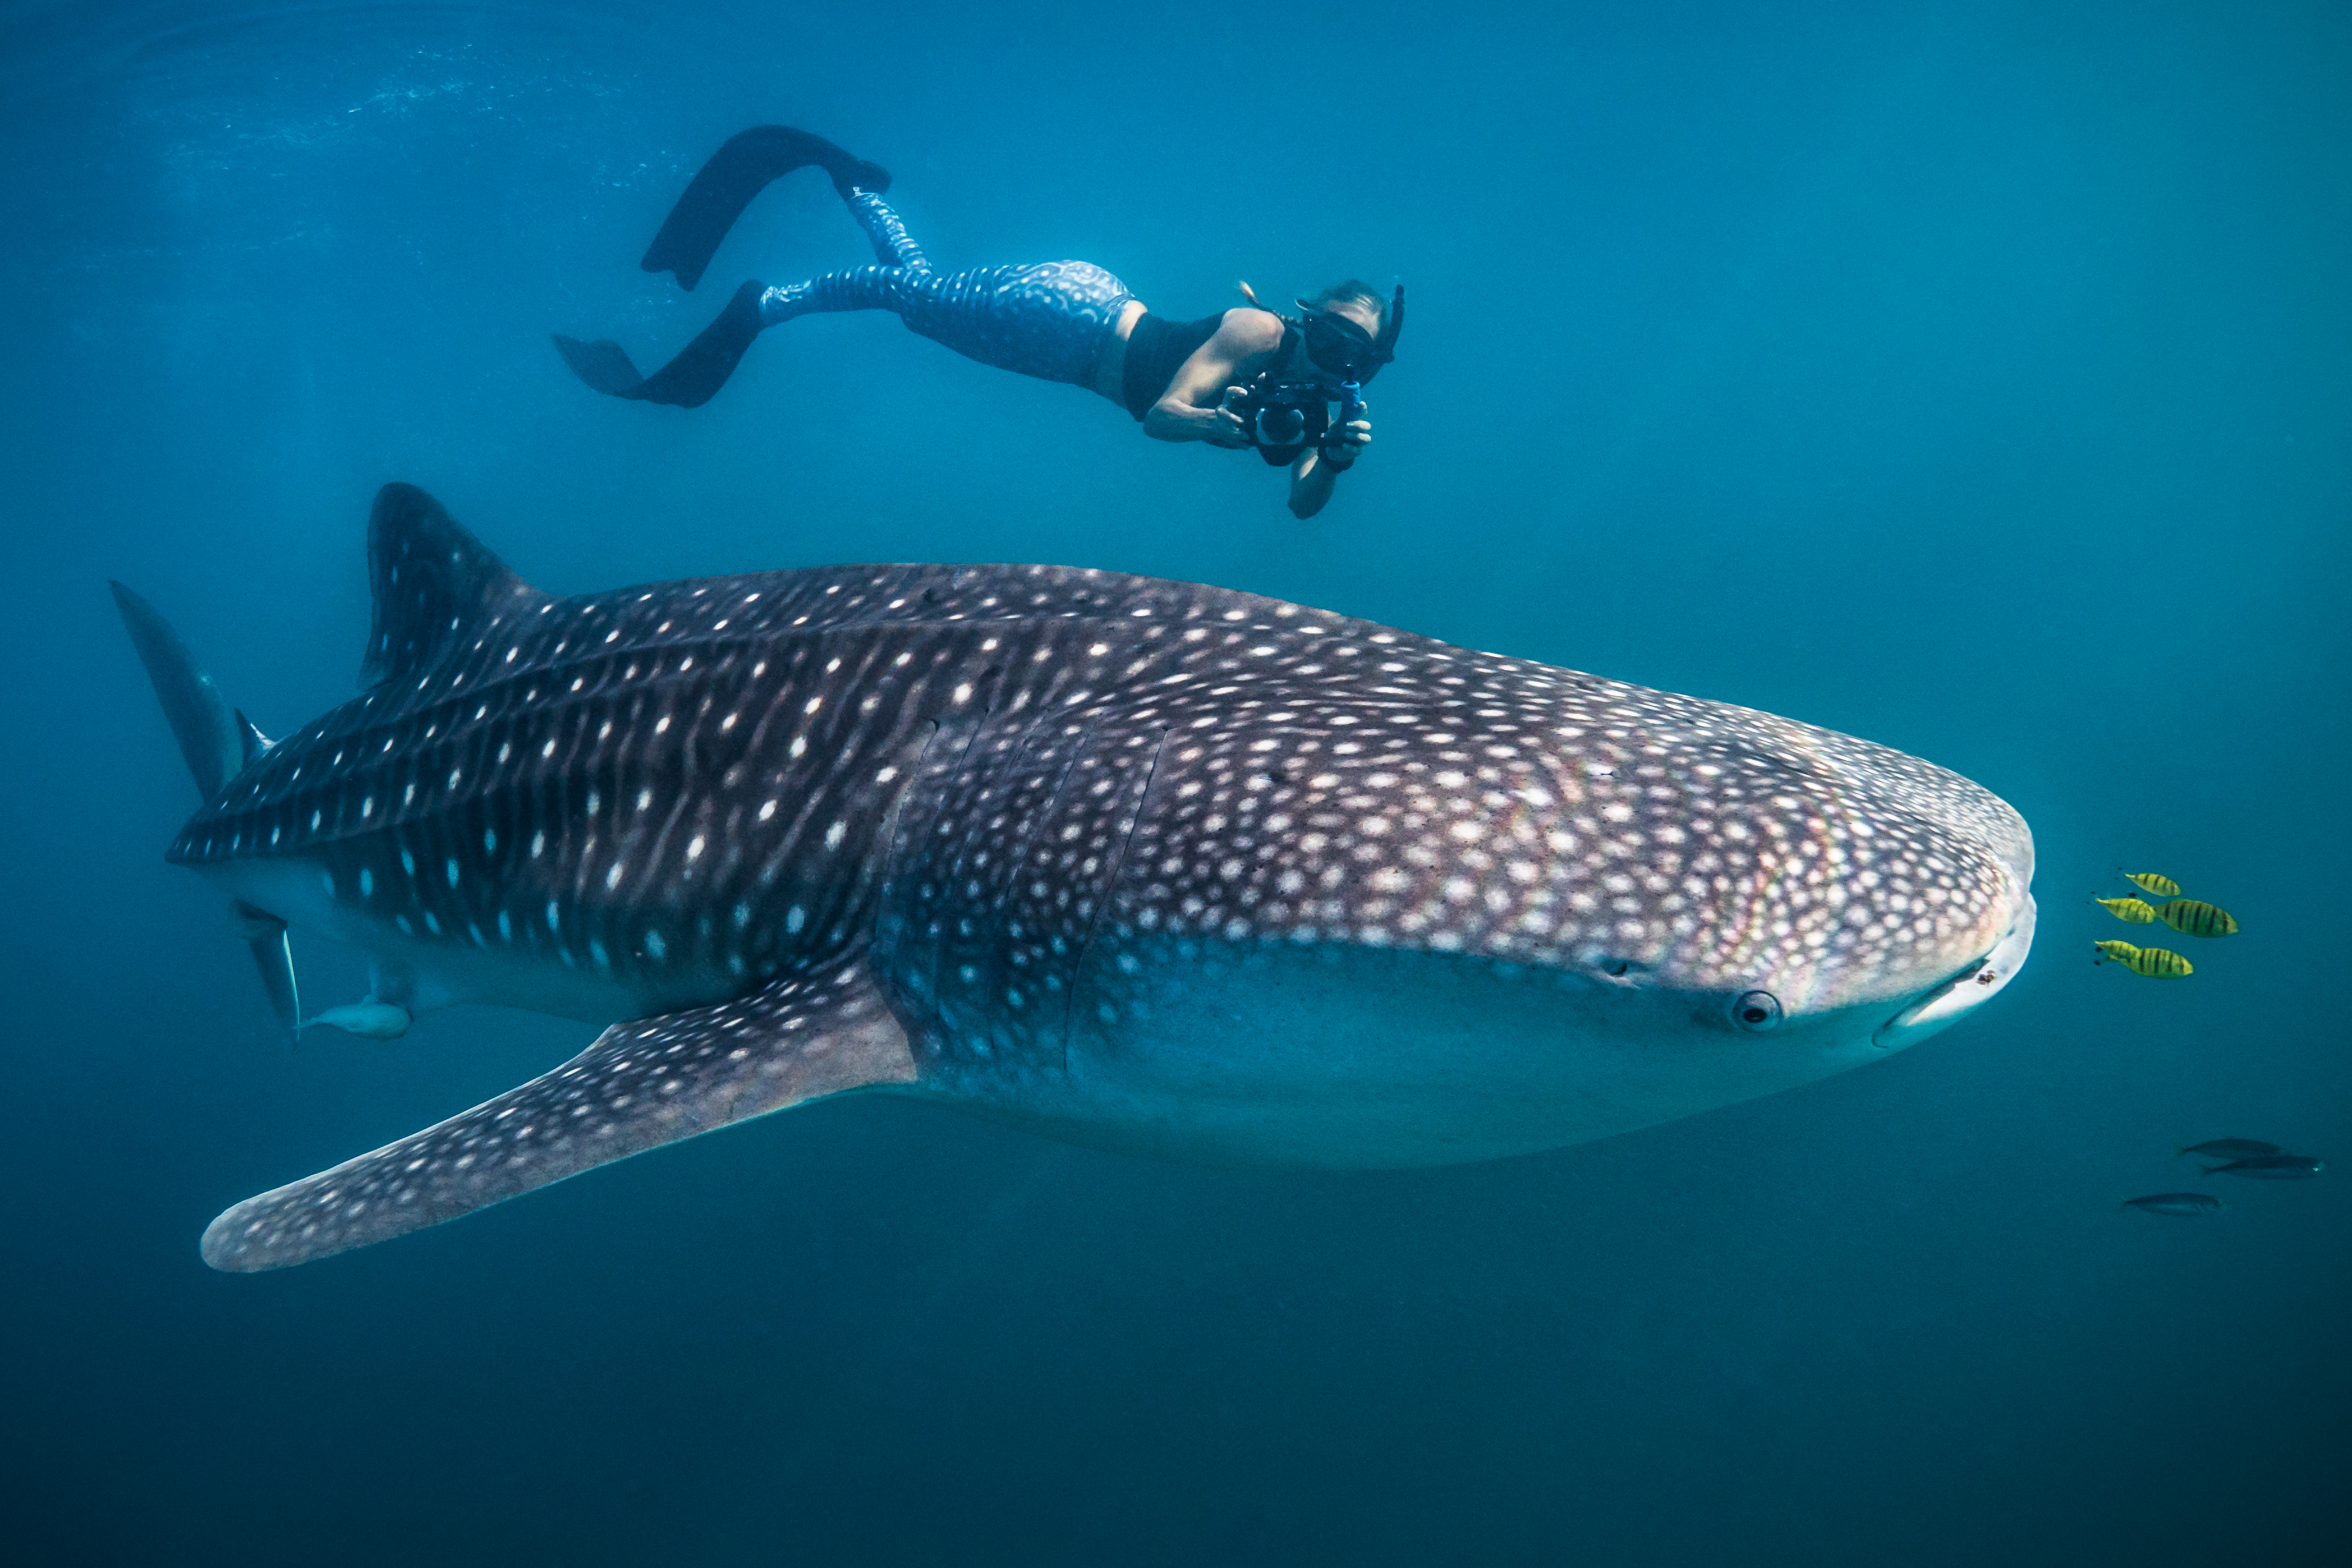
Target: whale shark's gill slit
(890,921)
(1017,862)
(964,940)
(903,955)
(1109,890)
(956,783)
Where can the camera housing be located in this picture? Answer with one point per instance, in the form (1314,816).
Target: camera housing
(1284,418)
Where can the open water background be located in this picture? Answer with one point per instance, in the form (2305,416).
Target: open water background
(1973,377)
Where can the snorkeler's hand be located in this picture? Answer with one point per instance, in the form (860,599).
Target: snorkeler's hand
(1221,425)
(1355,436)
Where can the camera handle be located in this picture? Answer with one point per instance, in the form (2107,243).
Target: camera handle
(1351,408)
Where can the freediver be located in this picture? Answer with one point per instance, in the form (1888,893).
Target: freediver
(1247,377)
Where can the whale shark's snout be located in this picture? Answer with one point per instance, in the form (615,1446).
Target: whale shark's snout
(1854,891)
(1977,981)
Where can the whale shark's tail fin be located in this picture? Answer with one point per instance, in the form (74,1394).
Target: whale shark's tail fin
(210,733)
(218,741)
(738,171)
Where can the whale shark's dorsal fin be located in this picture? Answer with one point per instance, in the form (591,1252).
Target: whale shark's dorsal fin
(434,583)
(641,1085)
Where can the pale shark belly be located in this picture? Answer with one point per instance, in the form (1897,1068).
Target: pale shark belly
(1301,1055)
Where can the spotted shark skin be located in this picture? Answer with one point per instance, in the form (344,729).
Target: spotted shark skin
(1130,862)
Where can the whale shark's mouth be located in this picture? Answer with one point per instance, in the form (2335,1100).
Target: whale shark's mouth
(1944,1003)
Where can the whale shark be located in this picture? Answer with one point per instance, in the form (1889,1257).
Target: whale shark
(1128,862)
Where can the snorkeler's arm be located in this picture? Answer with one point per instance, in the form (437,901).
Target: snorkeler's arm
(1312,476)
(1193,406)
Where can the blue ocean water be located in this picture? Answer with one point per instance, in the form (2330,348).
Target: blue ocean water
(1973,377)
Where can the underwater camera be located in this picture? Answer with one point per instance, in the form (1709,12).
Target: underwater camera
(1284,418)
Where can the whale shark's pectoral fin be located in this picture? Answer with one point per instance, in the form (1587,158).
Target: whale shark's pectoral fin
(641,1085)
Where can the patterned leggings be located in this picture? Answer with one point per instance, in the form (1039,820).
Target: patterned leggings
(1049,320)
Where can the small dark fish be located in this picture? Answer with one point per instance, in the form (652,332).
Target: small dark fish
(2180,1203)
(2271,1167)
(2227,1149)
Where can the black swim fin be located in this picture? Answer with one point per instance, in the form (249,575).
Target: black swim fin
(688,380)
(738,171)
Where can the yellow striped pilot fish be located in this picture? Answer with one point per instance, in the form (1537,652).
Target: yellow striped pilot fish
(2192,917)
(2155,963)
(2138,910)
(2156,882)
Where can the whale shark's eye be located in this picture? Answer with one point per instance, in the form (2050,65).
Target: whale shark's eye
(1756,1011)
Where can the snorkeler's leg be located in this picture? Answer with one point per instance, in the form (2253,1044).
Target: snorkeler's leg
(702,367)
(691,379)
(893,246)
(1048,320)
(737,173)
(857,288)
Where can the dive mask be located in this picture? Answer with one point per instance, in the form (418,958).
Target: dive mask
(1342,348)
(1338,346)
